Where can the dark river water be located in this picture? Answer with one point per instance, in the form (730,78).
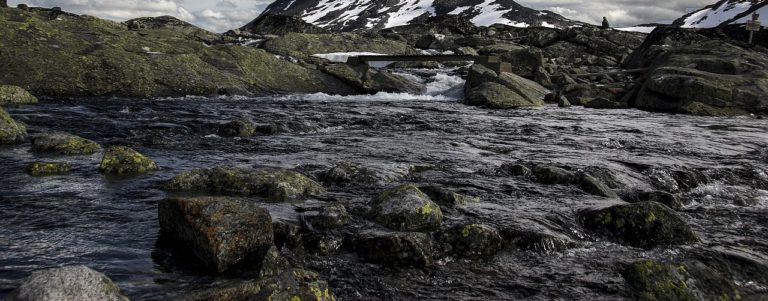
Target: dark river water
(111,224)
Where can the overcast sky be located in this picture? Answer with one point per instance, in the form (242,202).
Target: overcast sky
(222,15)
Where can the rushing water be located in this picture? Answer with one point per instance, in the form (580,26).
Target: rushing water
(111,224)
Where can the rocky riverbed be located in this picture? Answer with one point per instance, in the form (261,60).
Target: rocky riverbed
(515,175)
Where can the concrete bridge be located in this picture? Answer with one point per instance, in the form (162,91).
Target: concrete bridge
(492,62)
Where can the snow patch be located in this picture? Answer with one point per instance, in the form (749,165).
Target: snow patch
(712,17)
(643,29)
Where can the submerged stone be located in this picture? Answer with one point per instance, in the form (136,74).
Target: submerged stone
(238,128)
(644,225)
(11,131)
(663,197)
(40,169)
(548,174)
(396,249)
(63,143)
(67,283)
(406,208)
(222,233)
(121,160)
(15,95)
(471,240)
(277,185)
(445,197)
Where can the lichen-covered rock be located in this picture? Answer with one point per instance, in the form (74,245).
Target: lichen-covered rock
(548,174)
(67,283)
(238,128)
(15,95)
(277,185)
(471,240)
(652,280)
(406,208)
(487,88)
(663,197)
(396,249)
(324,216)
(351,173)
(302,46)
(222,233)
(39,169)
(366,80)
(289,285)
(121,160)
(525,60)
(445,197)
(11,131)
(63,143)
(644,225)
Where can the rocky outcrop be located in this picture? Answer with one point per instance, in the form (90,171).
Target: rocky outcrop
(67,283)
(171,24)
(694,73)
(274,24)
(222,233)
(487,88)
(302,46)
(406,208)
(11,131)
(396,249)
(121,160)
(15,95)
(366,80)
(86,56)
(276,185)
(644,225)
(40,169)
(64,144)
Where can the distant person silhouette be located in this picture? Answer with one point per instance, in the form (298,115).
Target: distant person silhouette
(605,23)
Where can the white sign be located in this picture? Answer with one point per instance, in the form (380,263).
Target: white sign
(753,25)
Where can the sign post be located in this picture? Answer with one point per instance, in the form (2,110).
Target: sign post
(754,24)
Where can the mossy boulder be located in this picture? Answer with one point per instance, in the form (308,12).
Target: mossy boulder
(121,160)
(445,197)
(553,175)
(652,280)
(40,169)
(406,208)
(63,144)
(222,234)
(238,128)
(471,240)
(11,131)
(277,185)
(67,283)
(15,95)
(487,88)
(644,225)
(396,249)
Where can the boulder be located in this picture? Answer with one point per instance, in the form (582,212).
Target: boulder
(653,280)
(121,160)
(471,240)
(324,216)
(603,103)
(563,102)
(222,234)
(537,239)
(63,144)
(406,208)
(11,131)
(670,200)
(366,80)
(485,87)
(552,175)
(278,185)
(274,24)
(644,225)
(350,173)
(15,95)
(67,283)
(395,249)
(525,61)
(445,197)
(40,169)
(238,128)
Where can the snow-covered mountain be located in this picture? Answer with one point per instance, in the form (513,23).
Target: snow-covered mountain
(724,12)
(348,15)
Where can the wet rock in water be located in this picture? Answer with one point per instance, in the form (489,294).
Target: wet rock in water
(652,280)
(278,185)
(515,170)
(291,284)
(67,283)
(603,103)
(563,102)
(63,143)
(644,225)
(238,128)
(406,208)
(396,249)
(121,160)
(350,173)
(678,179)
(40,169)
(592,185)
(11,131)
(539,240)
(366,80)
(471,240)
(445,197)
(662,197)
(485,87)
(324,216)
(223,234)
(321,243)
(548,174)
(15,95)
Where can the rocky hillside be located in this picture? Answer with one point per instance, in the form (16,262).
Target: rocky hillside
(350,15)
(724,12)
